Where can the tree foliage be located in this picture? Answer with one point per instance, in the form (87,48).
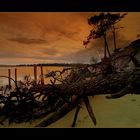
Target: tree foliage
(100,25)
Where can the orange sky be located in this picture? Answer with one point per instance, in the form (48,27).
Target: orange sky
(48,37)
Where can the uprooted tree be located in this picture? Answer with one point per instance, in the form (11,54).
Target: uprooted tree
(83,82)
(114,78)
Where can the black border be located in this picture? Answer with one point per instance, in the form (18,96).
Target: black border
(69,5)
(66,6)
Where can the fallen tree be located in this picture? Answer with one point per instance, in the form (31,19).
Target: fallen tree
(107,78)
(114,77)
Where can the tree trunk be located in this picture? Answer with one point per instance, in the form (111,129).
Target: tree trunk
(114,38)
(106,46)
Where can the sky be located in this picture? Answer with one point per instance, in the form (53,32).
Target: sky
(56,37)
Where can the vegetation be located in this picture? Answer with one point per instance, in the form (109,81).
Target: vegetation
(100,25)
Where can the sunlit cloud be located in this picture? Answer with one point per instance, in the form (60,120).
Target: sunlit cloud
(56,37)
(28,40)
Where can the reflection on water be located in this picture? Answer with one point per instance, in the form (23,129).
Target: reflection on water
(24,71)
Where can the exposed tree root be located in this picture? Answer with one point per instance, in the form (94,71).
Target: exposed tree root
(111,76)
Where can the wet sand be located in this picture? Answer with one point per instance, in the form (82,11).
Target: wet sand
(114,113)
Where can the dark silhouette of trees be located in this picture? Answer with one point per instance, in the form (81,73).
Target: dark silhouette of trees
(113,19)
(100,25)
(98,22)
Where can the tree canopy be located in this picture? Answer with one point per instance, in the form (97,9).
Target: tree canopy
(100,25)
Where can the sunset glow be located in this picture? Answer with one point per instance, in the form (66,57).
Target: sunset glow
(50,37)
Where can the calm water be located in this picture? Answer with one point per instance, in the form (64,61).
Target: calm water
(24,71)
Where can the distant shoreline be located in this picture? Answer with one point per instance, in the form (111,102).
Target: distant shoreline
(53,64)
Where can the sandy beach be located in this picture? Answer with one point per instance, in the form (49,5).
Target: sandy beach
(114,113)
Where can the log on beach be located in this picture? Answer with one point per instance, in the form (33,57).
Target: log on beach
(124,80)
(113,77)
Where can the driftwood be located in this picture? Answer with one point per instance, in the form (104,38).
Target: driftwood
(112,77)
(106,79)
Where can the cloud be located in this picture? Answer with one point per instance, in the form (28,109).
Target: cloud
(56,36)
(28,40)
(83,56)
(49,51)
(12,55)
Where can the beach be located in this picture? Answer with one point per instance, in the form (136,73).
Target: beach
(110,113)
